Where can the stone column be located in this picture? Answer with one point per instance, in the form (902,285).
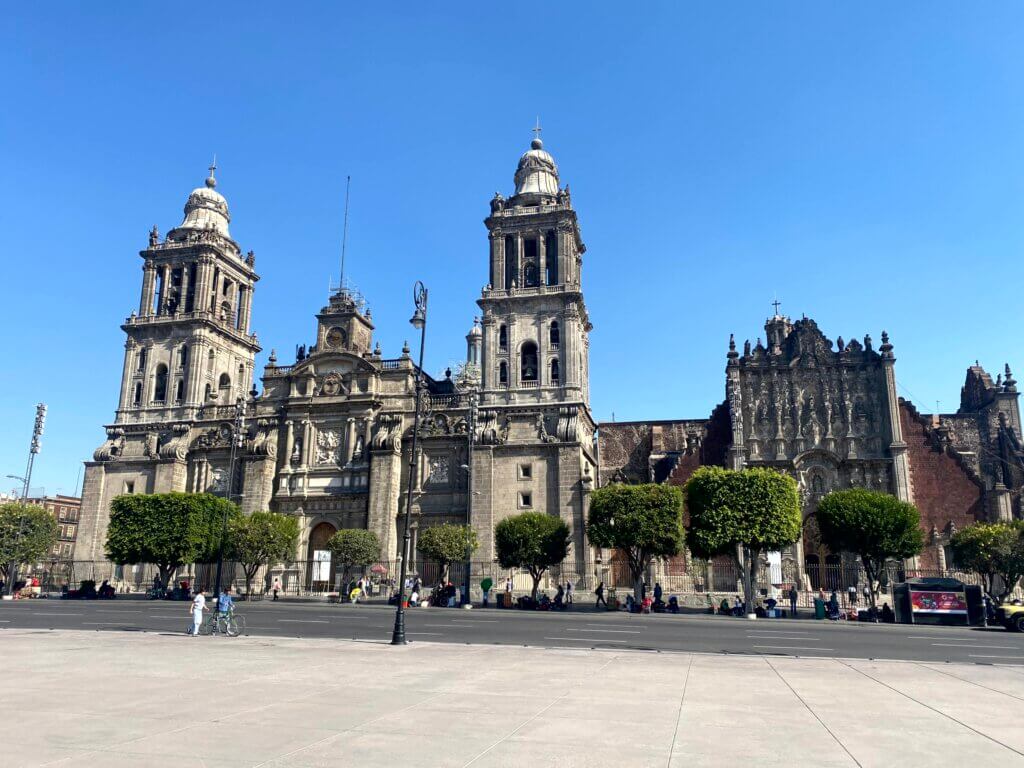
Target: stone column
(541,258)
(350,439)
(385,493)
(202,291)
(498,260)
(289,442)
(126,374)
(148,279)
(307,443)
(165,279)
(183,304)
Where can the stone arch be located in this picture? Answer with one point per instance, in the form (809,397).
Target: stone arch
(319,535)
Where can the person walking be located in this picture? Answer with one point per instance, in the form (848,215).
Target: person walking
(198,606)
(600,596)
(568,592)
(793,595)
(657,592)
(276,588)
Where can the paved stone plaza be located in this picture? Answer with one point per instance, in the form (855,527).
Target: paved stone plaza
(176,701)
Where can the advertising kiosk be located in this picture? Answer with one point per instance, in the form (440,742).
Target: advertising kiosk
(938,601)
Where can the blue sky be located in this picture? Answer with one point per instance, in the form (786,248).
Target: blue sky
(864,162)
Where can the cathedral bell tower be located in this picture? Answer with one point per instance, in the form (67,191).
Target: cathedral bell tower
(535,322)
(189,345)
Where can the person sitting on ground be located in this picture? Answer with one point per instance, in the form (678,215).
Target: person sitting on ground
(673,604)
(723,607)
(544,603)
(353,596)
(737,607)
(832,607)
(645,605)
(887,615)
(414,598)
(560,598)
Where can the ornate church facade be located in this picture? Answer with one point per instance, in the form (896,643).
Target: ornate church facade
(828,414)
(328,439)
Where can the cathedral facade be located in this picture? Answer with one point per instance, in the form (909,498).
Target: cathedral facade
(328,439)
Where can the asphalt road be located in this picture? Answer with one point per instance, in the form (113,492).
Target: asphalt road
(580,628)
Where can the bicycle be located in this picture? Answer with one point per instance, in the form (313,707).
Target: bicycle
(229,624)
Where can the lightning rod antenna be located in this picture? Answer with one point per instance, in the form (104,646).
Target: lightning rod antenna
(344,234)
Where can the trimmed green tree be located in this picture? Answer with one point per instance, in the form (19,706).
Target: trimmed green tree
(873,525)
(27,534)
(262,538)
(995,551)
(742,514)
(643,522)
(167,529)
(531,540)
(353,548)
(447,544)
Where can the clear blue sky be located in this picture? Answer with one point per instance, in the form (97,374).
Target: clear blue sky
(863,161)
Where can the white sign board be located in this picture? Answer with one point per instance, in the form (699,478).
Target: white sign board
(775,567)
(321,565)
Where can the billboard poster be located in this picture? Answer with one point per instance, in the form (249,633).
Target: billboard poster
(321,565)
(934,602)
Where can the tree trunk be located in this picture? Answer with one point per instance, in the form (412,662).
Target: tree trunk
(166,571)
(536,584)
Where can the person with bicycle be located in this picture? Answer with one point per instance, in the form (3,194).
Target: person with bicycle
(225,604)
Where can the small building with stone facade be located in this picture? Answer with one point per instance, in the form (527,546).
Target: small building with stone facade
(328,439)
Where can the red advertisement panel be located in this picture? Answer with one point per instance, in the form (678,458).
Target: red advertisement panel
(938,602)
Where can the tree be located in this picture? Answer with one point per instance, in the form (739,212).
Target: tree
(262,538)
(995,551)
(447,544)
(167,529)
(742,514)
(873,525)
(532,540)
(353,548)
(27,534)
(644,522)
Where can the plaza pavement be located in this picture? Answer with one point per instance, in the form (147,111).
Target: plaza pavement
(111,699)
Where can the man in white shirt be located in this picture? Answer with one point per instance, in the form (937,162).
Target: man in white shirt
(198,606)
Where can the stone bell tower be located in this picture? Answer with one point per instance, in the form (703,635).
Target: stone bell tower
(189,356)
(536,327)
(535,442)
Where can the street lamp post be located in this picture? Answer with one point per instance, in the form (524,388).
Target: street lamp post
(34,448)
(471,423)
(419,322)
(237,438)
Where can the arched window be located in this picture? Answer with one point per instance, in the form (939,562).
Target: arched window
(502,337)
(210,360)
(551,258)
(503,373)
(555,378)
(183,356)
(225,311)
(209,391)
(555,334)
(179,391)
(224,382)
(160,384)
(143,354)
(241,374)
(137,399)
(528,362)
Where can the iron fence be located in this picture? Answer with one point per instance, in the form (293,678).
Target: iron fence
(697,584)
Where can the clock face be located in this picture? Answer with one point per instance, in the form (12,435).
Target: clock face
(335,337)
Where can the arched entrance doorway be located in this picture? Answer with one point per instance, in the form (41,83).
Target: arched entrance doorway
(319,567)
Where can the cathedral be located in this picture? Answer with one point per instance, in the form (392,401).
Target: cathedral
(328,439)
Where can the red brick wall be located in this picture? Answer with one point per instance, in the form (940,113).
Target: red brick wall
(943,491)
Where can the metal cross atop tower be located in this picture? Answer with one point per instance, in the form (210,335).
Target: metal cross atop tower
(537,130)
(776,304)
